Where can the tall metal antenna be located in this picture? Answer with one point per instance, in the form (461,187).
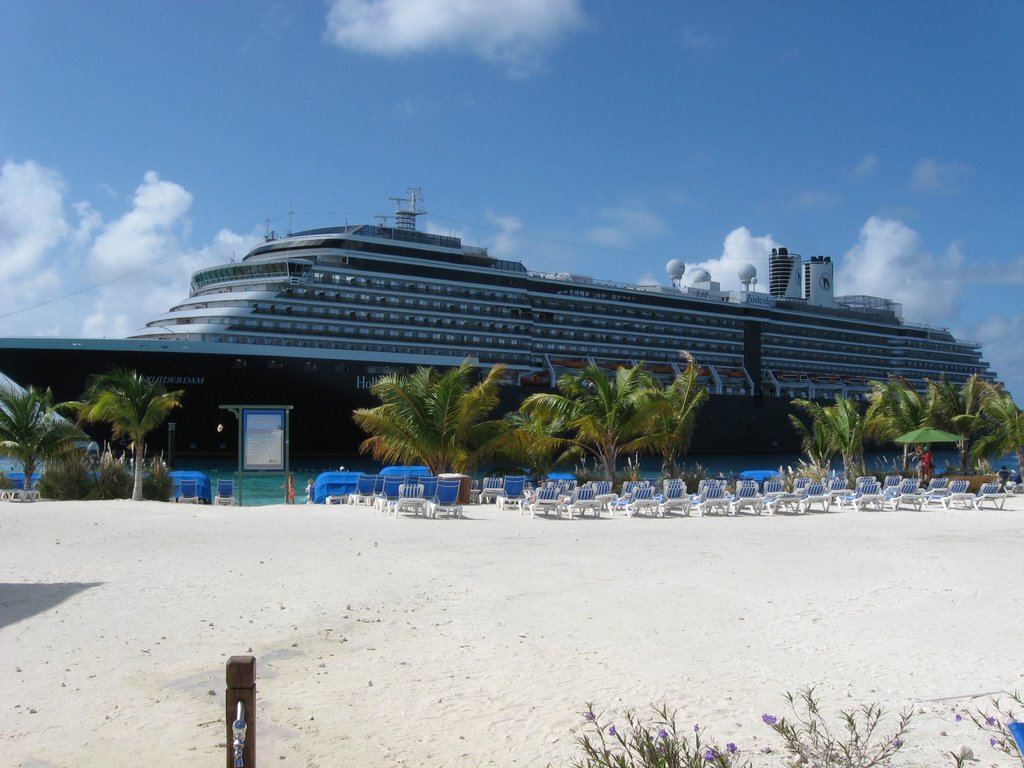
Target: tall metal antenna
(408,208)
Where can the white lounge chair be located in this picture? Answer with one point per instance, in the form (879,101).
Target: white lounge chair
(712,498)
(675,498)
(583,499)
(815,494)
(603,494)
(867,493)
(837,487)
(957,495)
(491,488)
(747,496)
(643,501)
(546,500)
(905,493)
(992,493)
(410,499)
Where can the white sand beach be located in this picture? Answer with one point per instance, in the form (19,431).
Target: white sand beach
(476,642)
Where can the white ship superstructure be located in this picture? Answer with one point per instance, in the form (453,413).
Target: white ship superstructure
(393,296)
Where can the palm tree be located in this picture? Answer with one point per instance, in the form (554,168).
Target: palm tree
(674,416)
(815,443)
(605,415)
(844,429)
(31,429)
(529,440)
(133,406)
(898,409)
(437,418)
(1005,433)
(958,410)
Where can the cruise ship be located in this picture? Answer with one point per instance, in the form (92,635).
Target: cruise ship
(313,318)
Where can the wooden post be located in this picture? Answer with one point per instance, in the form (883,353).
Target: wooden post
(241,687)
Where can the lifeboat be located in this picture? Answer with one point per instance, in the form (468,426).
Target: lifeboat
(535,380)
(663,368)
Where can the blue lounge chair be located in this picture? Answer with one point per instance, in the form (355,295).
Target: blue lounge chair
(188,492)
(512,493)
(364,492)
(225,492)
(388,492)
(1016,730)
(447,498)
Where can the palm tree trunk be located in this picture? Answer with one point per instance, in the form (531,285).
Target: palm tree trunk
(139,455)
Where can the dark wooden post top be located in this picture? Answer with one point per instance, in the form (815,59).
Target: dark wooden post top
(241,687)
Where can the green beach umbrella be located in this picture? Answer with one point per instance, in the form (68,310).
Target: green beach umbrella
(928,435)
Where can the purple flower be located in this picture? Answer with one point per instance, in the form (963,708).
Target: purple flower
(958,717)
(711,756)
(993,741)
(696,728)
(990,720)
(897,743)
(730,748)
(612,731)
(662,734)
(769,719)
(588,716)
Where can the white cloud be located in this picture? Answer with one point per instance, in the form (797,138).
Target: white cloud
(890,260)
(739,247)
(145,234)
(513,33)
(506,244)
(32,223)
(930,176)
(134,269)
(867,166)
(1000,338)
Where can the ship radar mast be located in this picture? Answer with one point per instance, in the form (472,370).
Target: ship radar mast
(406,210)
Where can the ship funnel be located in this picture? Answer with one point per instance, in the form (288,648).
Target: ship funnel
(784,274)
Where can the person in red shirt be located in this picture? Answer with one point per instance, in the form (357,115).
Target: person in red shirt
(927,464)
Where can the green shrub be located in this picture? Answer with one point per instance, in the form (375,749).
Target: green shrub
(66,478)
(157,483)
(113,477)
(4,480)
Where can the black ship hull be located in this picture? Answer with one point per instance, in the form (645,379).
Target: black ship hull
(322,392)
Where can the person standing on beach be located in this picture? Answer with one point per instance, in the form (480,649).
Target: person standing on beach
(309,491)
(289,489)
(927,464)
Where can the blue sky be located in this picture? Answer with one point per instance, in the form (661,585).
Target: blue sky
(141,141)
